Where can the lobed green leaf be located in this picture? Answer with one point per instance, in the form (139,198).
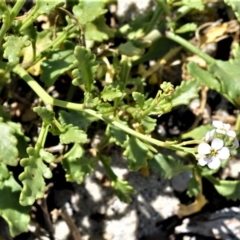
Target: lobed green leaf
(15,215)
(33,176)
(77,165)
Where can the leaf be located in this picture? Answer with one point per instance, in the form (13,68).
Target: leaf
(203,76)
(76,165)
(184,93)
(197,4)
(86,67)
(43,39)
(109,93)
(129,49)
(136,152)
(166,165)
(98,30)
(15,215)
(228,189)
(105,108)
(76,118)
(188,27)
(117,135)
(13,47)
(45,114)
(228,74)
(148,124)
(123,190)
(53,67)
(139,98)
(87,11)
(198,133)
(235,7)
(46,6)
(8,143)
(194,187)
(33,177)
(73,135)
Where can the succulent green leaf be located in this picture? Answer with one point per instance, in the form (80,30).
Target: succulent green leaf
(46,156)
(194,187)
(139,98)
(129,49)
(198,133)
(105,108)
(46,6)
(12,48)
(123,190)
(196,4)
(87,11)
(53,67)
(45,114)
(166,166)
(8,145)
(228,189)
(73,134)
(15,215)
(228,74)
(188,27)
(148,124)
(184,93)
(76,164)
(98,30)
(136,153)
(86,67)
(203,76)
(33,176)
(110,93)
(117,135)
(234,4)
(76,118)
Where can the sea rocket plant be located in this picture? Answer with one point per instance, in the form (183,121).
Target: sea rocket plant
(217,145)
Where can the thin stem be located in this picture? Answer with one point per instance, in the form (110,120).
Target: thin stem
(42,136)
(189,142)
(31,17)
(9,19)
(79,107)
(55,43)
(157,13)
(190,47)
(112,176)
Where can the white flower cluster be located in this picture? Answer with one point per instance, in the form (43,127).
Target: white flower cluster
(217,146)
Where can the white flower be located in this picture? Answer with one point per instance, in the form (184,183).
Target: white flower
(212,155)
(224,128)
(210,135)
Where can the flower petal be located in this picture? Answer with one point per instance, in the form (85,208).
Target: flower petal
(214,163)
(231,133)
(209,135)
(217,124)
(203,161)
(204,148)
(224,153)
(226,126)
(217,143)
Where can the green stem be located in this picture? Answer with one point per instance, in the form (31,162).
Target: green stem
(125,69)
(9,19)
(189,142)
(190,47)
(112,176)
(42,136)
(237,126)
(157,13)
(79,107)
(31,17)
(55,43)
